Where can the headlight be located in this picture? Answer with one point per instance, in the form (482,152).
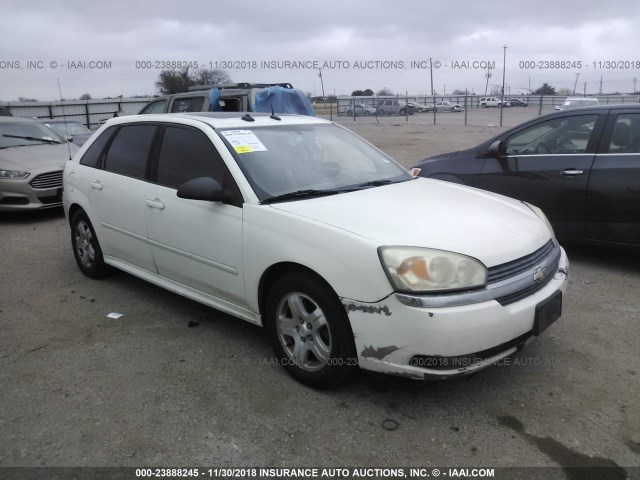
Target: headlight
(13,175)
(544,218)
(427,270)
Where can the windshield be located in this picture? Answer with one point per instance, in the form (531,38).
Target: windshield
(20,134)
(71,129)
(289,158)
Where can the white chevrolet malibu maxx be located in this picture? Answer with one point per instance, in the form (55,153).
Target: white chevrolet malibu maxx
(297,224)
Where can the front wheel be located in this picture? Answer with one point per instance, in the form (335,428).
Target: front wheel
(86,247)
(309,330)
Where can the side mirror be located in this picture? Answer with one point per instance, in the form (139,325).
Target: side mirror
(204,188)
(495,149)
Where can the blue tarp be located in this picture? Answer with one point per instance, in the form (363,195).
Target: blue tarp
(214,95)
(283,100)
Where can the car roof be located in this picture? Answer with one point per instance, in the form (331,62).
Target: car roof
(222,119)
(53,120)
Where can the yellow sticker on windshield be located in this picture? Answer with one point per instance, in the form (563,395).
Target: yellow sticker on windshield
(243,149)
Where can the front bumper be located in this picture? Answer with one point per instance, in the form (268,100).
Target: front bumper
(393,337)
(16,195)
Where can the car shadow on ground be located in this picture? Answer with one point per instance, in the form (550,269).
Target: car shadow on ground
(31,216)
(622,259)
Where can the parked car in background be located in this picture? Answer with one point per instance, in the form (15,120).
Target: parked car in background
(32,157)
(581,166)
(447,107)
(485,102)
(515,102)
(5,112)
(360,110)
(578,102)
(296,224)
(393,107)
(420,107)
(69,130)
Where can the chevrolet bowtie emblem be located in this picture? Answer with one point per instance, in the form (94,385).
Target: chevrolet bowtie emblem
(540,275)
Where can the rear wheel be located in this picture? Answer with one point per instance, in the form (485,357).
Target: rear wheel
(309,331)
(86,247)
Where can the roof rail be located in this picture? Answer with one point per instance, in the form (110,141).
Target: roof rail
(239,85)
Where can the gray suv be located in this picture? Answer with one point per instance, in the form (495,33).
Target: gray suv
(392,106)
(233,97)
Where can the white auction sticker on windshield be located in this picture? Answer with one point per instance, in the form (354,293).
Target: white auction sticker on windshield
(244,141)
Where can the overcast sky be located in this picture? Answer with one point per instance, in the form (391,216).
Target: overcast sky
(383,37)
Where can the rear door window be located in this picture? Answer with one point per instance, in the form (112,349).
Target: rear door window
(129,150)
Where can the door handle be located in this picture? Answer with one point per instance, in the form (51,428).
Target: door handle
(155,203)
(571,171)
(96,185)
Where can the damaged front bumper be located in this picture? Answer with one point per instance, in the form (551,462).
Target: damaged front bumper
(415,340)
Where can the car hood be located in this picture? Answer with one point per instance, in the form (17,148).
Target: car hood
(435,214)
(32,157)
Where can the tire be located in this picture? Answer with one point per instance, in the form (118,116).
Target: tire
(349,112)
(381,112)
(309,331)
(402,111)
(86,248)
(453,109)
(484,105)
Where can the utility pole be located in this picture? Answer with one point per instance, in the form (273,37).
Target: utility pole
(575,84)
(431,72)
(600,91)
(584,92)
(322,83)
(488,75)
(634,84)
(504,71)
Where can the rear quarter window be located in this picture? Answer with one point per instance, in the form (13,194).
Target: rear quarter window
(92,156)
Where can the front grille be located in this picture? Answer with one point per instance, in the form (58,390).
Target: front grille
(522,264)
(465,361)
(47,180)
(520,294)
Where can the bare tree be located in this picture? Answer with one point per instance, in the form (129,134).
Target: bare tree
(174,81)
(210,77)
(178,81)
(385,91)
(85,96)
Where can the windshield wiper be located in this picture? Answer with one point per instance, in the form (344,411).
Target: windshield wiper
(33,139)
(376,183)
(301,194)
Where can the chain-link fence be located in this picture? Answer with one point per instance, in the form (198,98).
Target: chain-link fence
(451,110)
